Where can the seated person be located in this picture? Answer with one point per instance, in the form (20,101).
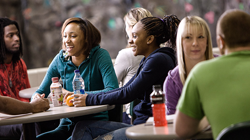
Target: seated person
(219,88)
(194,44)
(126,64)
(81,50)
(147,35)
(13,106)
(13,70)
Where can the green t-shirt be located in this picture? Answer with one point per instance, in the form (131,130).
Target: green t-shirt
(219,89)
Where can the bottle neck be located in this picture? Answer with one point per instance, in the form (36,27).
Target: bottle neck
(157,90)
(77,73)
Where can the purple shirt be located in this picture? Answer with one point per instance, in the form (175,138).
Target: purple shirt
(172,88)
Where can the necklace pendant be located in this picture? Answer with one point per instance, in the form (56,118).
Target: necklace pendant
(10,83)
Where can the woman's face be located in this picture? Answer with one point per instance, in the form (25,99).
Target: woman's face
(139,40)
(194,43)
(128,31)
(73,39)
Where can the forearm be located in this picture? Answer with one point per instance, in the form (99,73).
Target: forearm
(185,126)
(13,106)
(106,89)
(203,124)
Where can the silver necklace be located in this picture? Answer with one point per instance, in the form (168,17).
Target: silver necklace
(9,77)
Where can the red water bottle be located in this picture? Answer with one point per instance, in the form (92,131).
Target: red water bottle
(158,106)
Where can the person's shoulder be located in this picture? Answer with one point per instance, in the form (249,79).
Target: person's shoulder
(161,56)
(208,66)
(99,53)
(125,50)
(174,72)
(162,52)
(21,62)
(128,53)
(99,50)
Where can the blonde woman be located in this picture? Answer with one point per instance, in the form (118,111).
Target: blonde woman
(126,64)
(194,44)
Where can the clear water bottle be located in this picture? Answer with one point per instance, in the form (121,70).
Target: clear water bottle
(157,98)
(78,83)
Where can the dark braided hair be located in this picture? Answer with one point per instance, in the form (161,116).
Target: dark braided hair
(163,29)
(3,23)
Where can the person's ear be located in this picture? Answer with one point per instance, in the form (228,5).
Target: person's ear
(150,39)
(221,44)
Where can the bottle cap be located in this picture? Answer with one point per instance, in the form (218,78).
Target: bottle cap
(76,71)
(156,86)
(54,79)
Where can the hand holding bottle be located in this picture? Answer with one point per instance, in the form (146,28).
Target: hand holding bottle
(80,100)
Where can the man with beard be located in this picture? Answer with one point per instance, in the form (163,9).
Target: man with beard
(13,78)
(13,70)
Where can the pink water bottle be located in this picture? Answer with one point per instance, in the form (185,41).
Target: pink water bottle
(158,106)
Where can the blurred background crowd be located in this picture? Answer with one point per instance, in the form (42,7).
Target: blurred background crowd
(41,20)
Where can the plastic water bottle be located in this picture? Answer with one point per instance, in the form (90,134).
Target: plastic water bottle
(157,98)
(78,83)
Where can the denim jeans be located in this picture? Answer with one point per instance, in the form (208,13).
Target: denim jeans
(98,130)
(62,132)
(16,131)
(11,131)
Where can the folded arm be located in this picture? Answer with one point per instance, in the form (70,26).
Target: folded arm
(13,106)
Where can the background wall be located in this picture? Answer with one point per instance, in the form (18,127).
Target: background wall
(41,20)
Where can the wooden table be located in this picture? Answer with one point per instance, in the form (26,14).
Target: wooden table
(51,114)
(27,93)
(148,132)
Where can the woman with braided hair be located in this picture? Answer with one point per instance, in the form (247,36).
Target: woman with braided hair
(147,35)
(126,64)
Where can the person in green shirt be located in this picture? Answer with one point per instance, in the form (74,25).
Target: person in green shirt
(219,88)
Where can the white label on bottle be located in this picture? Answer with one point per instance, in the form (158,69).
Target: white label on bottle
(57,97)
(156,99)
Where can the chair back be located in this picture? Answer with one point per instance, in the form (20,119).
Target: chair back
(115,114)
(239,131)
(132,105)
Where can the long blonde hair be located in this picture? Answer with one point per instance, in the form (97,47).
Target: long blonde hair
(185,25)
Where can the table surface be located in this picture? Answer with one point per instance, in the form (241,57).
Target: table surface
(52,114)
(27,93)
(148,132)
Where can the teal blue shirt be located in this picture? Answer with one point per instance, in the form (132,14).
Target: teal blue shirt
(97,72)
